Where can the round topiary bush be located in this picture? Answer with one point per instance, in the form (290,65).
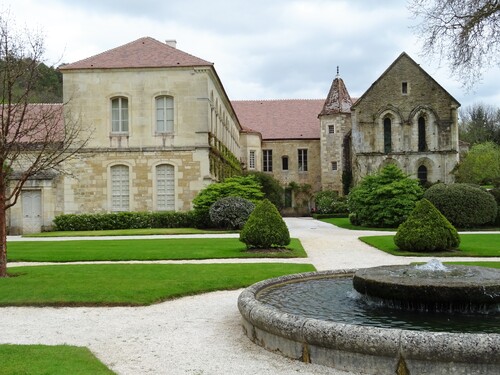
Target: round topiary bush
(265,228)
(231,212)
(426,230)
(464,205)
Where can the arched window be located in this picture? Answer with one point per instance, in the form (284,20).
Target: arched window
(119,188)
(164,114)
(387,135)
(165,187)
(119,115)
(422,174)
(422,144)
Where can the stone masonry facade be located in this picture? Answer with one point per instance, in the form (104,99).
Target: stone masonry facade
(163,128)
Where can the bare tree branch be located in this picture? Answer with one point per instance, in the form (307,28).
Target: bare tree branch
(35,139)
(464,32)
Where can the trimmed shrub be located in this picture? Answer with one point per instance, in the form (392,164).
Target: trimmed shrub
(329,202)
(384,199)
(464,205)
(496,194)
(231,212)
(426,230)
(265,228)
(123,220)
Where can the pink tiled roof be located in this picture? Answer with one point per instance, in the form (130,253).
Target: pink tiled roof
(142,53)
(34,123)
(280,119)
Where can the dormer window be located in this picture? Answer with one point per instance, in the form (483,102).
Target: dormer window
(404,88)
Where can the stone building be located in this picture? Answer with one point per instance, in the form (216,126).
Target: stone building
(163,128)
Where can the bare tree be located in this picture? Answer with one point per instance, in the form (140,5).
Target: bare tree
(465,32)
(35,139)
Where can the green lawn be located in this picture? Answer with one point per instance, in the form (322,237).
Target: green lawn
(127,232)
(148,249)
(475,245)
(343,222)
(53,360)
(480,264)
(129,284)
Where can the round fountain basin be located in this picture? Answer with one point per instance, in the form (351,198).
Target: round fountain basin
(452,288)
(362,348)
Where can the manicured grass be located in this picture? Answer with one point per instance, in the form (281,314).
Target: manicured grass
(476,245)
(147,249)
(480,264)
(127,232)
(343,222)
(53,360)
(129,284)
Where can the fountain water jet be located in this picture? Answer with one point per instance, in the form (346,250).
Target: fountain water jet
(432,287)
(366,348)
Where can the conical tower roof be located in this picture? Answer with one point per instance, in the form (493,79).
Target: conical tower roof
(338,100)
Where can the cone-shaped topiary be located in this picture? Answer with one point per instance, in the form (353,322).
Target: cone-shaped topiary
(265,228)
(426,229)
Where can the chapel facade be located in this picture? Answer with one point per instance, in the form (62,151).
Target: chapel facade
(163,128)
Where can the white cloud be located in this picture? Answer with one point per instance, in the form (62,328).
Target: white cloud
(261,49)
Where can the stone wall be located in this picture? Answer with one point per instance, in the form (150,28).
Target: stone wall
(403,94)
(332,152)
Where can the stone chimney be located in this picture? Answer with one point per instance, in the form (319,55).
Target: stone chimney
(171,43)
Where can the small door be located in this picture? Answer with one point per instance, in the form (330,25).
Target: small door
(32,211)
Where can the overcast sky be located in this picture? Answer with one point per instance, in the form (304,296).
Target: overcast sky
(262,49)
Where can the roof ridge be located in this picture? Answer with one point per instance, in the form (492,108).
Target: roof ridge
(276,100)
(158,54)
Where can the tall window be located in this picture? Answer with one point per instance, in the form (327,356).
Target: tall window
(422,174)
(119,115)
(302,154)
(331,129)
(120,188)
(284,163)
(387,135)
(267,160)
(404,88)
(334,165)
(422,145)
(165,187)
(164,114)
(251,159)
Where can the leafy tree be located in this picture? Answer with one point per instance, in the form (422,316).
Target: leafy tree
(426,229)
(265,228)
(480,123)
(481,165)
(465,32)
(34,140)
(384,199)
(45,85)
(240,186)
(271,188)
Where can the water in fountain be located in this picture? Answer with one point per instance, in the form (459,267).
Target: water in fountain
(452,297)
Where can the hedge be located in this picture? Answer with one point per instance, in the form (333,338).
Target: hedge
(125,220)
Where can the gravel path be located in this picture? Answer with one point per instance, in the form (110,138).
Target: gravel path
(193,335)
